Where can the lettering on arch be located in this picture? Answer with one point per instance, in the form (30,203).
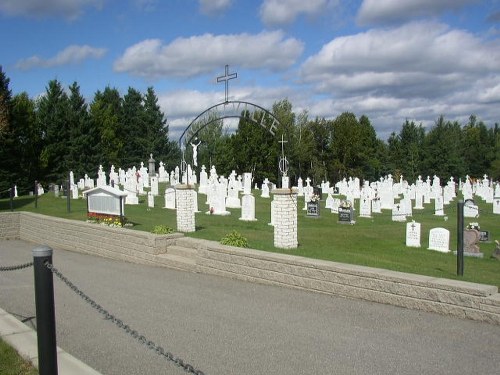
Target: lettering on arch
(234,109)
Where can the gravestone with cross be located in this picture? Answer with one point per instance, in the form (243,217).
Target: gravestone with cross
(413,234)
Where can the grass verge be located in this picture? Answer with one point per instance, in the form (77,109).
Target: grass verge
(11,363)
(375,242)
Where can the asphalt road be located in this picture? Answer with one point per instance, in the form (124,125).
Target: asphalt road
(223,326)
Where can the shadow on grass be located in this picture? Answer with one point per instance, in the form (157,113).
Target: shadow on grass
(17,203)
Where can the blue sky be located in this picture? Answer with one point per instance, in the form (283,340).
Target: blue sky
(391,60)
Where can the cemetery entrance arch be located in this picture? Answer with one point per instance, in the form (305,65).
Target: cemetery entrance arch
(232,109)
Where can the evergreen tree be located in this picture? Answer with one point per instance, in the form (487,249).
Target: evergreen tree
(254,150)
(134,131)
(7,142)
(105,112)
(52,116)
(84,138)
(27,137)
(406,151)
(478,147)
(156,135)
(444,157)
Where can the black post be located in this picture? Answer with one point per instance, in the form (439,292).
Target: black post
(12,190)
(460,238)
(45,311)
(36,194)
(68,199)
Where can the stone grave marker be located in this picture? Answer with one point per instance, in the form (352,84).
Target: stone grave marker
(438,205)
(376,205)
(471,240)
(154,186)
(151,200)
(248,208)
(365,207)
(439,240)
(247,183)
(496,206)
(312,209)
(329,201)
(195,201)
(346,215)
(398,213)
(413,234)
(470,209)
(170,198)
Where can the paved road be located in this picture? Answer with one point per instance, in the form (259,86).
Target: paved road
(223,326)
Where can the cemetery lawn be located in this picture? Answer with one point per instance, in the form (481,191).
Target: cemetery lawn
(11,363)
(374,242)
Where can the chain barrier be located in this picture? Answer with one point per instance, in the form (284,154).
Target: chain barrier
(120,324)
(15,268)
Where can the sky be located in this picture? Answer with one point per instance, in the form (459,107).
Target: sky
(391,60)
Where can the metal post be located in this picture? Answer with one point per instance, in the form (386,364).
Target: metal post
(460,238)
(68,199)
(12,189)
(45,311)
(36,194)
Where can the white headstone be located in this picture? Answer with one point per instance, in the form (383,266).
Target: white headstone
(376,206)
(496,206)
(329,201)
(247,183)
(195,200)
(398,212)
(170,198)
(151,200)
(154,186)
(419,200)
(248,208)
(365,207)
(413,234)
(438,205)
(439,240)
(265,189)
(470,209)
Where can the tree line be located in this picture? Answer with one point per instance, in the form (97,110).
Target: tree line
(46,137)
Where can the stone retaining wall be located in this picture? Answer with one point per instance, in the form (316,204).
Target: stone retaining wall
(116,243)
(444,296)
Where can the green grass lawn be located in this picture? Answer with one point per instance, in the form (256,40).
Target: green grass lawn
(375,242)
(11,363)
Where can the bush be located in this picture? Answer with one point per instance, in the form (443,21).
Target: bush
(162,229)
(234,239)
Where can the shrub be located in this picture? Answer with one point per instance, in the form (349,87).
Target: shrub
(162,229)
(234,239)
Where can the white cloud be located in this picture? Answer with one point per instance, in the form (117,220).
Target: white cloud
(418,71)
(69,9)
(214,6)
(281,12)
(408,58)
(70,55)
(390,11)
(189,57)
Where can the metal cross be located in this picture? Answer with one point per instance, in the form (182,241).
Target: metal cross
(282,145)
(225,78)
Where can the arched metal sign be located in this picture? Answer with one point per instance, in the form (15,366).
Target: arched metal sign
(233,109)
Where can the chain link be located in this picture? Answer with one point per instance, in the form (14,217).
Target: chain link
(15,268)
(120,324)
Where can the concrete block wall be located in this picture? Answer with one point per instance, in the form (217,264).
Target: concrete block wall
(451,297)
(116,243)
(9,225)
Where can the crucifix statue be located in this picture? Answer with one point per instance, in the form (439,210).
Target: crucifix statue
(195,153)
